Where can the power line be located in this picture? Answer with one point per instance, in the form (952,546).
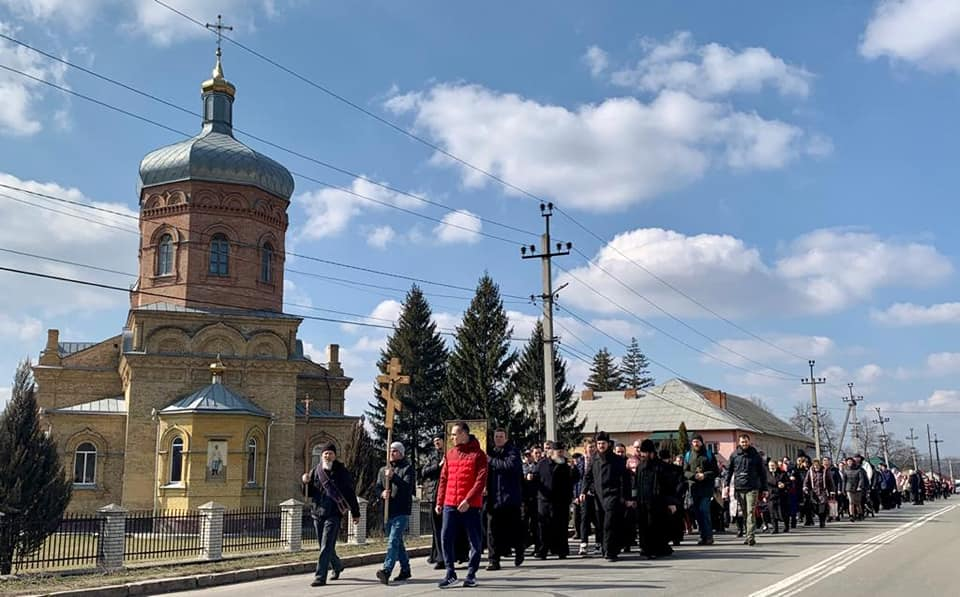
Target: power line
(471,166)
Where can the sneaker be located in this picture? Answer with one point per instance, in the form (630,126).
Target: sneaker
(383,576)
(404,575)
(751,541)
(583,549)
(335,575)
(518,559)
(447,582)
(318,582)
(493,566)
(705,542)
(439,566)
(469,582)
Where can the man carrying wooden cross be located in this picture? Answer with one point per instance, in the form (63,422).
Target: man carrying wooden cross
(396,481)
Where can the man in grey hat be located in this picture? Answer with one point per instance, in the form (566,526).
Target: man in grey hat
(400,477)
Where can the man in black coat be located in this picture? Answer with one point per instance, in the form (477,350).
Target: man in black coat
(678,490)
(430,473)
(701,472)
(608,479)
(654,494)
(749,478)
(330,486)
(554,494)
(399,476)
(504,500)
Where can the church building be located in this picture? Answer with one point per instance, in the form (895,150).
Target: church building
(205,394)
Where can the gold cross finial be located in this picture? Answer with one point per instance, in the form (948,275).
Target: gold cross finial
(388,386)
(219,28)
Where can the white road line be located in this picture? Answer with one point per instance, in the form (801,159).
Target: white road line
(839,561)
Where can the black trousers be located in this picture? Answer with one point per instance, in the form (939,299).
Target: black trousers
(553,521)
(436,547)
(654,530)
(588,520)
(504,532)
(530,525)
(610,519)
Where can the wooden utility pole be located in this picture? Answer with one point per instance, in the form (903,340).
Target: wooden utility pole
(813,382)
(388,389)
(545,255)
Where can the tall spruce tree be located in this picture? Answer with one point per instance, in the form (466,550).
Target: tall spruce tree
(528,388)
(478,370)
(604,373)
(635,368)
(683,439)
(420,347)
(34,489)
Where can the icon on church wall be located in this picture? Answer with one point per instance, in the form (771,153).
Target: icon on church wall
(217,460)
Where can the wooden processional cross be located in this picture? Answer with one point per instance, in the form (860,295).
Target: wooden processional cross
(388,389)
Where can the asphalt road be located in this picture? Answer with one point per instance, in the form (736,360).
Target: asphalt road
(909,550)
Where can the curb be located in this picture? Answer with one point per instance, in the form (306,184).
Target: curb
(157,586)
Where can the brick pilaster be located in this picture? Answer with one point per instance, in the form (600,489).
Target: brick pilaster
(211,531)
(112,530)
(357,533)
(291,524)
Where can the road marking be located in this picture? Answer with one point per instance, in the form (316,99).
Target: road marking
(839,561)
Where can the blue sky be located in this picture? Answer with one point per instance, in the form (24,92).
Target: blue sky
(791,169)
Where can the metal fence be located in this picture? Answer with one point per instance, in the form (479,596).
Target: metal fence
(251,530)
(75,543)
(170,535)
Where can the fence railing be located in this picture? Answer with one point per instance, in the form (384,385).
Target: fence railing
(251,530)
(75,543)
(171,534)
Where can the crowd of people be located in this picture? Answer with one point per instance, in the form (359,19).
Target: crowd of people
(518,503)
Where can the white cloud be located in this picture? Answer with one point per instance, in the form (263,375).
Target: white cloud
(943,363)
(604,156)
(813,347)
(596,60)
(381,236)
(459,226)
(710,70)
(24,329)
(293,295)
(73,13)
(938,401)
(821,272)
(20,98)
(869,373)
(925,33)
(329,211)
(908,314)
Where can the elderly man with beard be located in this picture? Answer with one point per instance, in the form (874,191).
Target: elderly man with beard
(554,494)
(654,496)
(504,522)
(330,486)
(608,480)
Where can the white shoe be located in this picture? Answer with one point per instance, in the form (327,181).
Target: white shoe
(583,549)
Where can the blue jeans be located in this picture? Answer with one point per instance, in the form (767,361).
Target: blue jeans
(454,523)
(396,550)
(701,507)
(328,528)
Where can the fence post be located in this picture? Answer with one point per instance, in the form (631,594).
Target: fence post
(291,524)
(112,533)
(211,531)
(414,528)
(357,533)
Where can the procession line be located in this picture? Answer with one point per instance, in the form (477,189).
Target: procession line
(811,575)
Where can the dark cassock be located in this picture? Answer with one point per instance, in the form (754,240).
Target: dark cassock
(654,491)
(679,486)
(609,481)
(554,494)
(430,474)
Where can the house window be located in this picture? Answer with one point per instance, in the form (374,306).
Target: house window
(219,255)
(252,462)
(165,256)
(266,263)
(176,460)
(85,464)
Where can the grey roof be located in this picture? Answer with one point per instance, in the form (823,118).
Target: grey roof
(664,407)
(215,398)
(115,405)
(174,308)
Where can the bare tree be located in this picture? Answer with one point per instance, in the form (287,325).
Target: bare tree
(802,419)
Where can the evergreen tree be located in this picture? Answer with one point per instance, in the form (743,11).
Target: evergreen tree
(478,370)
(683,439)
(527,387)
(635,368)
(604,373)
(419,346)
(34,489)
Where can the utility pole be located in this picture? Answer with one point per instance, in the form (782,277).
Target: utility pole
(936,443)
(950,464)
(930,448)
(813,382)
(883,436)
(851,409)
(913,448)
(545,255)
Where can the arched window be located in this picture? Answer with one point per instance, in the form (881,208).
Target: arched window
(176,460)
(252,462)
(315,456)
(219,255)
(165,256)
(85,464)
(266,263)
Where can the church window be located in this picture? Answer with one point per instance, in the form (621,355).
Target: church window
(316,456)
(165,256)
(252,462)
(176,460)
(220,255)
(85,464)
(266,263)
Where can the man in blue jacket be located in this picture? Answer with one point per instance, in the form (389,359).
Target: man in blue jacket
(504,523)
